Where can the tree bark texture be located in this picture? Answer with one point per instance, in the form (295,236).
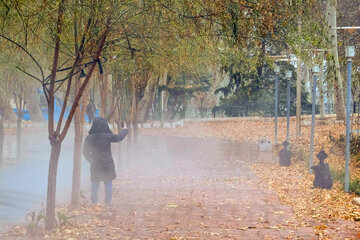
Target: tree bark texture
(147,99)
(51,189)
(338,84)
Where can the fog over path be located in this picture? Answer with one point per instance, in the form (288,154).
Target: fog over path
(200,188)
(167,188)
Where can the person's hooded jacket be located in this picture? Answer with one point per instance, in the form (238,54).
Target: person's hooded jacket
(97,150)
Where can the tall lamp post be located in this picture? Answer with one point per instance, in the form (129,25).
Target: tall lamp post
(288,75)
(277,71)
(349,54)
(315,71)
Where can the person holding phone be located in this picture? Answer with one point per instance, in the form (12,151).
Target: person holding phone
(97,150)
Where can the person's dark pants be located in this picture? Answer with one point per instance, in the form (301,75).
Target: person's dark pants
(95,189)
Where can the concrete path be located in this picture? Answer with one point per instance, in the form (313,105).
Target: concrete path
(170,188)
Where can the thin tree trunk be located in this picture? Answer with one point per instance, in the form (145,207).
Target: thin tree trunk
(75,193)
(53,136)
(135,121)
(147,99)
(129,135)
(298,100)
(338,84)
(132,114)
(9,113)
(165,104)
(79,120)
(321,89)
(56,137)
(103,93)
(51,189)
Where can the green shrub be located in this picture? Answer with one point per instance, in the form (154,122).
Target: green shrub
(339,175)
(355,145)
(354,186)
(33,221)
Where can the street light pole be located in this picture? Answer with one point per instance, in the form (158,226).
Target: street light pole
(288,75)
(277,70)
(349,54)
(315,71)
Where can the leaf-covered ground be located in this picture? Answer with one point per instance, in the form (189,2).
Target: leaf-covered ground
(293,184)
(211,193)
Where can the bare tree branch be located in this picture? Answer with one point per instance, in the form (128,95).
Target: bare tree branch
(27,52)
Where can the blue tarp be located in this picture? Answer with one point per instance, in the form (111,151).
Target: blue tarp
(57,112)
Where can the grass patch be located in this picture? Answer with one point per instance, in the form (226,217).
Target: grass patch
(339,175)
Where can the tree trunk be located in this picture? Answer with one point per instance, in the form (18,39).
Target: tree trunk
(338,84)
(2,135)
(56,137)
(129,135)
(75,193)
(135,121)
(18,135)
(298,100)
(103,93)
(321,90)
(133,110)
(53,136)
(165,99)
(147,99)
(33,105)
(51,189)
(9,113)
(79,120)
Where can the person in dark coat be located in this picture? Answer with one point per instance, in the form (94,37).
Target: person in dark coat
(97,150)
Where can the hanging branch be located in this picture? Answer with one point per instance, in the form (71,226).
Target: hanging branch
(27,52)
(87,79)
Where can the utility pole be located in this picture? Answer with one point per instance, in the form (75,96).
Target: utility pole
(349,54)
(315,71)
(277,71)
(288,78)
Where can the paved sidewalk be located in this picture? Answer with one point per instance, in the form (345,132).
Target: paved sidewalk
(192,188)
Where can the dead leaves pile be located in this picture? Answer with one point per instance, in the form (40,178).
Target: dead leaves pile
(294,187)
